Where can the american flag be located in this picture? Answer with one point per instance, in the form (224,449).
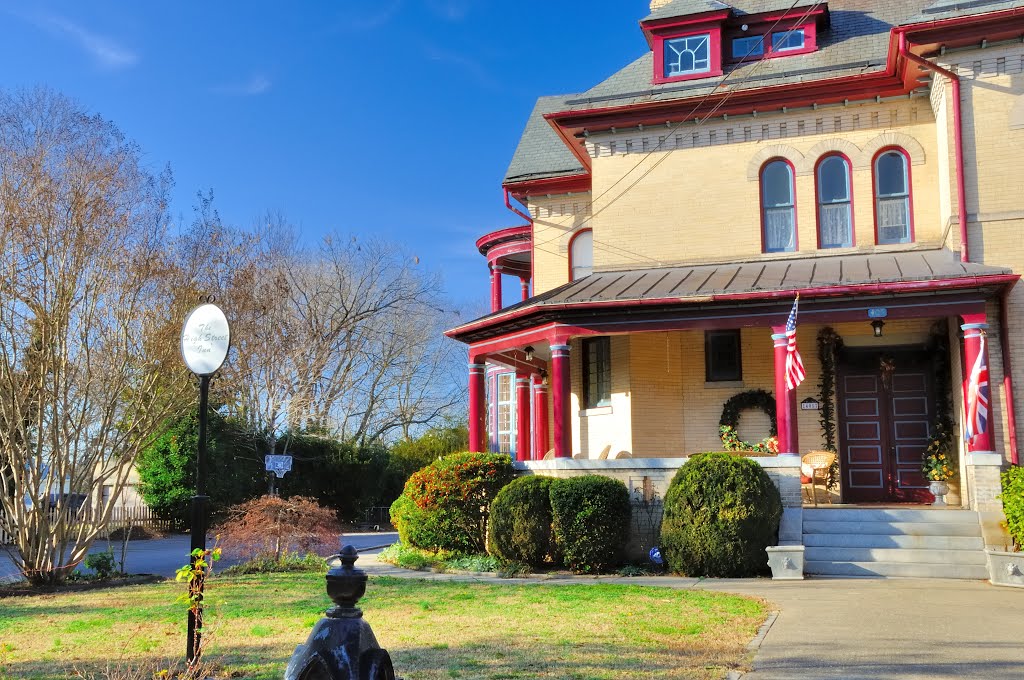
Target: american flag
(977,396)
(795,373)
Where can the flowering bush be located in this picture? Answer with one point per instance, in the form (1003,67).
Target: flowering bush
(937,464)
(732,442)
(445,506)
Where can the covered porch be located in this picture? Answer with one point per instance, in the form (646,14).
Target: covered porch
(627,365)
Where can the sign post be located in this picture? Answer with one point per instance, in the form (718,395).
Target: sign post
(205,341)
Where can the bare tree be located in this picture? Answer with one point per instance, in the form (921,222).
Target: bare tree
(88,345)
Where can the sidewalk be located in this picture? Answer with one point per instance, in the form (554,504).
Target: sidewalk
(853,628)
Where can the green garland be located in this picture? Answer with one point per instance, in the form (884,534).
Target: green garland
(727,424)
(829,345)
(939,459)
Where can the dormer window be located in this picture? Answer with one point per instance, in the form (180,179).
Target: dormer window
(785,41)
(748,48)
(688,55)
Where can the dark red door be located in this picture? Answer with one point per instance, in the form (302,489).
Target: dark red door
(885,408)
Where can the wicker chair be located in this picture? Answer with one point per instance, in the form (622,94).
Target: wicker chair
(817,463)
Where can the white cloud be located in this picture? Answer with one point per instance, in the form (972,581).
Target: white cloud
(257,84)
(104,51)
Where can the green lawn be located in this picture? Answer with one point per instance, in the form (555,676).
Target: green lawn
(433,630)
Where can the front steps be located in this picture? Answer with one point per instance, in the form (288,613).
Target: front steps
(922,543)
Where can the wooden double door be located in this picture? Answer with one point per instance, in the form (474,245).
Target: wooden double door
(885,409)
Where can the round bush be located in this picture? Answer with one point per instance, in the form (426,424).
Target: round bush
(721,512)
(445,505)
(521,522)
(591,518)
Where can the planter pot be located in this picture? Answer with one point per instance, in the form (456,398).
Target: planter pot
(939,490)
(786,561)
(1005,568)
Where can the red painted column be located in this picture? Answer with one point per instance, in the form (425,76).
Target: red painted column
(495,287)
(477,407)
(974,328)
(560,398)
(522,416)
(785,399)
(540,414)
(525,283)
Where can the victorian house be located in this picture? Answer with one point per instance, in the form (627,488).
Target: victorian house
(863,156)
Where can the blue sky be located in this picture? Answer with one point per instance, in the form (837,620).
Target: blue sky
(389,117)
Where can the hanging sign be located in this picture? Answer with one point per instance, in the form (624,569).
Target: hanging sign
(205,339)
(877,312)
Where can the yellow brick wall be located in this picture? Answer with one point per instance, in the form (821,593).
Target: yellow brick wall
(555,220)
(597,430)
(688,200)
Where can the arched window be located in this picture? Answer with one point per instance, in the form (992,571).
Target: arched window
(581,254)
(892,197)
(778,212)
(835,216)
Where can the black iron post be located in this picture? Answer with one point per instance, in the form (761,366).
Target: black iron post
(199,507)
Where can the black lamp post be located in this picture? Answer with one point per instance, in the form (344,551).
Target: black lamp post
(205,341)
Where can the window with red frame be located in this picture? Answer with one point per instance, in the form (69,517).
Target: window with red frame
(835,216)
(778,207)
(892,197)
(785,42)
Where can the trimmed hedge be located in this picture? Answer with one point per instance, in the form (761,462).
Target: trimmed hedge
(1013,504)
(721,512)
(591,518)
(445,505)
(521,523)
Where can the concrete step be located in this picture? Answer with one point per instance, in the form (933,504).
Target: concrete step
(909,569)
(891,528)
(840,514)
(911,541)
(894,555)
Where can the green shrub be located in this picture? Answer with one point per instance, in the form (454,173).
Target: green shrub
(721,512)
(591,517)
(521,522)
(289,562)
(445,505)
(1013,504)
(102,563)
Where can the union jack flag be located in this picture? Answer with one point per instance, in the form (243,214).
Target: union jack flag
(977,396)
(795,373)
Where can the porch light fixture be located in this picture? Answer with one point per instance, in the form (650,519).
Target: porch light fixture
(529,353)
(877,326)
(544,378)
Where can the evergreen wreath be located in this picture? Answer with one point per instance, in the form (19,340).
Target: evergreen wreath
(731,409)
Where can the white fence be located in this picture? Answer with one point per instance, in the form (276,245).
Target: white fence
(137,516)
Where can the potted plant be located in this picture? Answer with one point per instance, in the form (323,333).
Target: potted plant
(1006,567)
(937,463)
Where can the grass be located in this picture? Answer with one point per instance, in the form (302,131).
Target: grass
(433,630)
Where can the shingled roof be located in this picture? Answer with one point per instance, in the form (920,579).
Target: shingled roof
(856,42)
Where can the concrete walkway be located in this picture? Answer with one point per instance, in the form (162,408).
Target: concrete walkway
(855,628)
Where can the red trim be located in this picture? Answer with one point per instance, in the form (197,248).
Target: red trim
(714,33)
(508,234)
(910,189)
(984,441)
(522,388)
(849,192)
(477,409)
(884,288)
(541,436)
(571,241)
(552,185)
(786,414)
(792,190)
(1004,346)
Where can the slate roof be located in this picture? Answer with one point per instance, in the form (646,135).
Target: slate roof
(856,42)
(541,154)
(697,283)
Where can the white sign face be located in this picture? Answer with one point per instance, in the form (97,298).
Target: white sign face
(205,339)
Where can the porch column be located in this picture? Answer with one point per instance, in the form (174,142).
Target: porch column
(975,328)
(477,408)
(560,398)
(785,399)
(525,284)
(495,287)
(522,416)
(540,413)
